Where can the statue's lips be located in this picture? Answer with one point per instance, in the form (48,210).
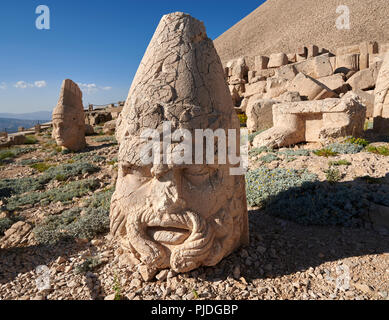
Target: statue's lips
(171,230)
(169,236)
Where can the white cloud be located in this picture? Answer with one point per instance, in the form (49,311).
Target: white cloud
(91,88)
(3,86)
(23,85)
(40,84)
(36,84)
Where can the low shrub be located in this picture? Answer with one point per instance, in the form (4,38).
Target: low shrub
(264,184)
(257,151)
(295,153)
(325,153)
(383,151)
(358,141)
(5,224)
(42,166)
(345,148)
(31,140)
(89,265)
(339,163)
(66,193)
(333,175)
(72,225)
(106,139)
(242,119)
(269,158)
(60,173)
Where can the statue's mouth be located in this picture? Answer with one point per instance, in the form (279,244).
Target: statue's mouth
(168,235)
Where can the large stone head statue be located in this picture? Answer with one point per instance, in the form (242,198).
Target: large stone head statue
(69,118)
(179,216)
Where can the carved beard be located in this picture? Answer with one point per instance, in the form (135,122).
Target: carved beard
(208,241)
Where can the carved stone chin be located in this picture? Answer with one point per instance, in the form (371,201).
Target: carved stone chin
(177,216)
(69,118)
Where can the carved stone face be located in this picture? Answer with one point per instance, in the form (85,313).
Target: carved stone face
(178,216)
(68,118)
(67,130)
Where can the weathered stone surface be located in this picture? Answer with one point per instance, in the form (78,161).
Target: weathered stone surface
(109,127)
(317,67)
(367,98)
(261,62)
(69,119)
(287,72)
(381,104)
(277,60)
(368,47)
(275,87)
(313,51)
(310,88)
(237,68)
(18,234)
(335,82)
(365,79)
(260,115)
(255,88)
(89,131)
(314,121)
(177,216)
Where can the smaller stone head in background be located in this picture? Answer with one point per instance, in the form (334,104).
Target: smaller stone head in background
(69,118)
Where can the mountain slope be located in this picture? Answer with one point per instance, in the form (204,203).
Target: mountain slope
(40,115)
(284,25)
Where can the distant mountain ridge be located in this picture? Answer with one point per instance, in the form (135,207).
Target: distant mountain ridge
(12,125)
(35,116)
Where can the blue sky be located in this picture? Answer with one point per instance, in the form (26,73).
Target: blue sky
(96,43)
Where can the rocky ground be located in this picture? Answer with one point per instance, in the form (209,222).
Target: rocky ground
(285,260)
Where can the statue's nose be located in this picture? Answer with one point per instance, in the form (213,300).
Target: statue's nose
(168,189)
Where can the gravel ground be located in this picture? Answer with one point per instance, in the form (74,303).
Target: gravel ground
(284,260)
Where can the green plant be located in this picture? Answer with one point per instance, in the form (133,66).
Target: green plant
(68,192)
(253,135)
(345,148)
(41,166)
(333,175)
(31,140)
(7,154)
(264,184)
(295,153)
(358,141)
(72,225)
(339,163)
(195,293)
(383,150)
(257,151)
(242,119)
(106,139)
(325,153)
(89,265)
(5,224)
(117,288)
(269,158)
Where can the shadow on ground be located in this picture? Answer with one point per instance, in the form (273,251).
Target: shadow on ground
(279,246)
(23,260)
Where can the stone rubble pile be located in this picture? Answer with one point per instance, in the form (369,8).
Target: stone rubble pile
(258,84)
